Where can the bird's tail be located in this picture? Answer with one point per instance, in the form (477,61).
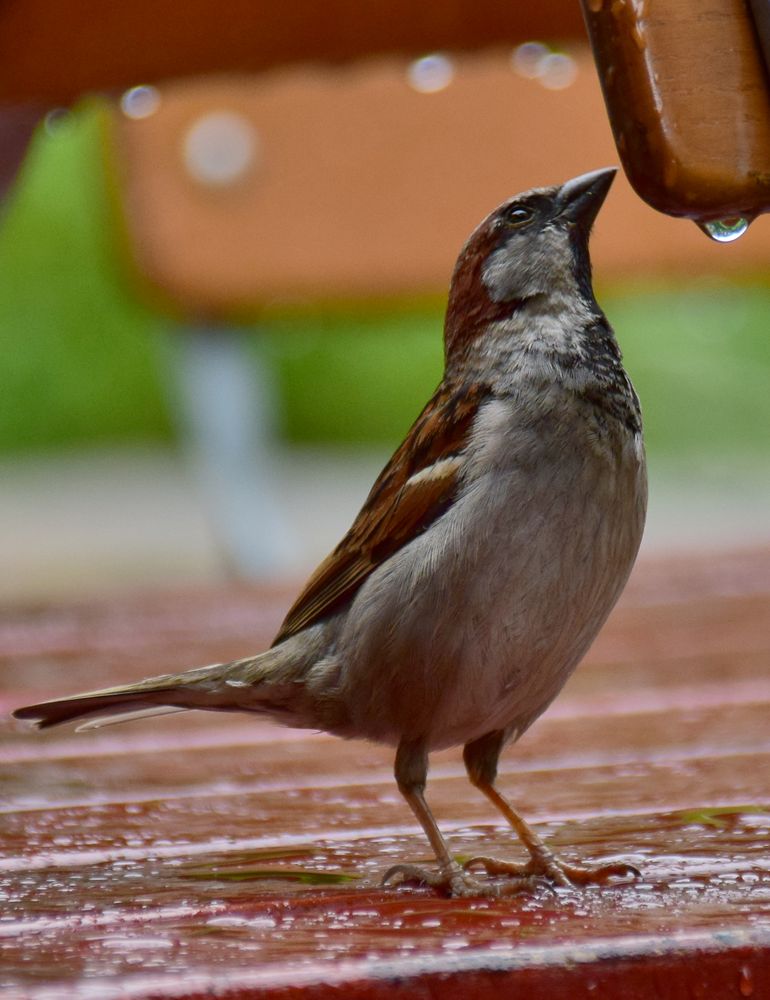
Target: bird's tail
(263,684)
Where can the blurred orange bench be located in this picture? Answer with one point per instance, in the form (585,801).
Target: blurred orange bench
(310,180)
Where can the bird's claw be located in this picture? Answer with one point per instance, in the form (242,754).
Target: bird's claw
(599,874)
(556,872)
(452,879)
(457,882)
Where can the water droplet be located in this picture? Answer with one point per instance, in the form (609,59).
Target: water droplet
(536,61)
(56,119)
(527,57)
(140,102)
(746,985)
(557,71)
(725,230)
(455,944)
(220,148)
(430,74)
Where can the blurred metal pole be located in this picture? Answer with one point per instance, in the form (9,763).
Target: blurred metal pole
(227,408)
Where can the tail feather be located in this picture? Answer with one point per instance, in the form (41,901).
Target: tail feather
(110,708)
(195,689)
(270,683)
(112,720)
(265,684)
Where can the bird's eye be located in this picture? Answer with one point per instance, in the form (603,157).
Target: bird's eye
(519,216)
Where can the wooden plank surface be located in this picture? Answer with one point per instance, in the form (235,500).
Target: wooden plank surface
(201,855)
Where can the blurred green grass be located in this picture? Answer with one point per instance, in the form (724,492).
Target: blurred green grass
(82,359)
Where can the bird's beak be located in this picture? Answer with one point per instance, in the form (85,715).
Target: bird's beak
(580,199)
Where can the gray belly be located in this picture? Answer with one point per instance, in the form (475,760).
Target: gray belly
(477,624)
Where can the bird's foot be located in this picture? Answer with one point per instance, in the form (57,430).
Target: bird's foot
(544,865)
(453,880)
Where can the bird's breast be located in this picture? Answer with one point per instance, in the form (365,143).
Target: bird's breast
(477,623)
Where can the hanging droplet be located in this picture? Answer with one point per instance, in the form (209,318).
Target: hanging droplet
(725,230)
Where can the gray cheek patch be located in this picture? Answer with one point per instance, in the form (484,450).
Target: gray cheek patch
(495,273)
(521,268)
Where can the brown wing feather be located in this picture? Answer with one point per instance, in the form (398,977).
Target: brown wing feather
(400,505)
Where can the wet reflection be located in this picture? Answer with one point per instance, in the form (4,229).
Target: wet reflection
(703,869)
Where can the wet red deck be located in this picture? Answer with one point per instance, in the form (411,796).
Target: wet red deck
(202,855)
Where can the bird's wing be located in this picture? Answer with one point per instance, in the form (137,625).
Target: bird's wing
(414,489)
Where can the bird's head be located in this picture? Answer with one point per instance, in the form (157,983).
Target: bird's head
(533,246)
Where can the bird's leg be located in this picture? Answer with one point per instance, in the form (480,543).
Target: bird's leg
(411,770)
(481,757)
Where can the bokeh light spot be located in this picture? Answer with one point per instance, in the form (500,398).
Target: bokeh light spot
(431,73)
(220,148)
(140,102)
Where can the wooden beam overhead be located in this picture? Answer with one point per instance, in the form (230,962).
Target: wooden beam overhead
(53,52)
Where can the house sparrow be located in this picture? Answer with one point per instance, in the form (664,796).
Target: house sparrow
(487,555)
